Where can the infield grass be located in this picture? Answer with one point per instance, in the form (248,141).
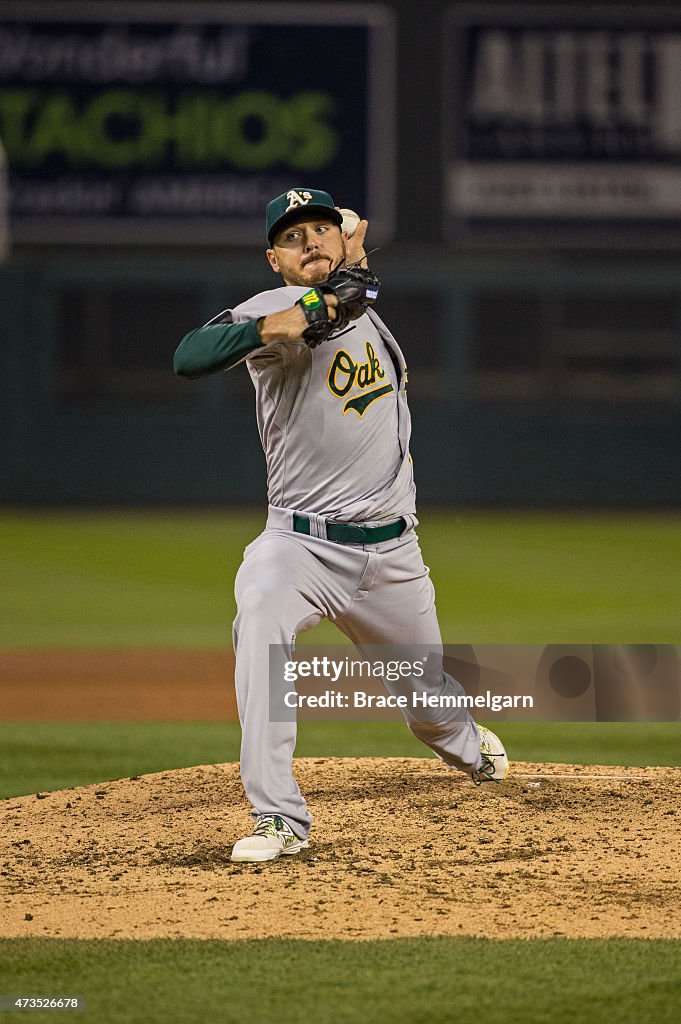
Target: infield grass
(165,579)
(40,756)
(406,981)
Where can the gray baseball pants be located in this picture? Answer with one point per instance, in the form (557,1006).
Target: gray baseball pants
(375,594)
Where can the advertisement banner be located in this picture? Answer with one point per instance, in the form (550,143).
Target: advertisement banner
(177,122)
(563,124)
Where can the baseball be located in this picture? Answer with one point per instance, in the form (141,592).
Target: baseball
(350,221)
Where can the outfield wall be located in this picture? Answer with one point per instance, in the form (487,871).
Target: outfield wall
(533,381)
(520,168)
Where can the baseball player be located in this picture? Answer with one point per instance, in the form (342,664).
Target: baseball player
(340,540)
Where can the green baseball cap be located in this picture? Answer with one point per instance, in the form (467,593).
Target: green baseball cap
(287,207)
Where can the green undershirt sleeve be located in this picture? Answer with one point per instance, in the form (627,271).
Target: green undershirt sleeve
(215,347)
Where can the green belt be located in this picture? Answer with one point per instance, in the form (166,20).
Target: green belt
(349,533)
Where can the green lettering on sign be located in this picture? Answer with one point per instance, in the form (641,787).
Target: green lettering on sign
(315,143)
(15,106)
(238,148)
(120,128)
(97,139)
(55,130)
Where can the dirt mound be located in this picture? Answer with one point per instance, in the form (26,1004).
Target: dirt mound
(401,846)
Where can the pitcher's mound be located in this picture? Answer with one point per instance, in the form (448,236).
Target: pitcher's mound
(400,846)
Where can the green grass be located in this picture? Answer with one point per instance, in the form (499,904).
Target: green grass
(40,756)
(538,578)
(143,579)
(410,981)
(37,756)
(120,579)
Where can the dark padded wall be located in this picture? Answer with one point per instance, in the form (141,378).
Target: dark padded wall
(536,377)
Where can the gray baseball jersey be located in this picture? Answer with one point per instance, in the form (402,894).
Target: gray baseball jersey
(335,427)
(333,420)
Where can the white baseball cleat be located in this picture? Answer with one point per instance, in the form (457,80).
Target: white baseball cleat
(494,765)
(271,837)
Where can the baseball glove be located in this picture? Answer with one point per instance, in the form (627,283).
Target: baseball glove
(355,288)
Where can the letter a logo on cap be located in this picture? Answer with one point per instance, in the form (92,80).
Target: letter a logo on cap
(297,199)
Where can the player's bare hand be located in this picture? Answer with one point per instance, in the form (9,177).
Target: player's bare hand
(354,244)
(290,323)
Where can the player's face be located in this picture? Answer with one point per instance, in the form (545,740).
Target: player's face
(305,252)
